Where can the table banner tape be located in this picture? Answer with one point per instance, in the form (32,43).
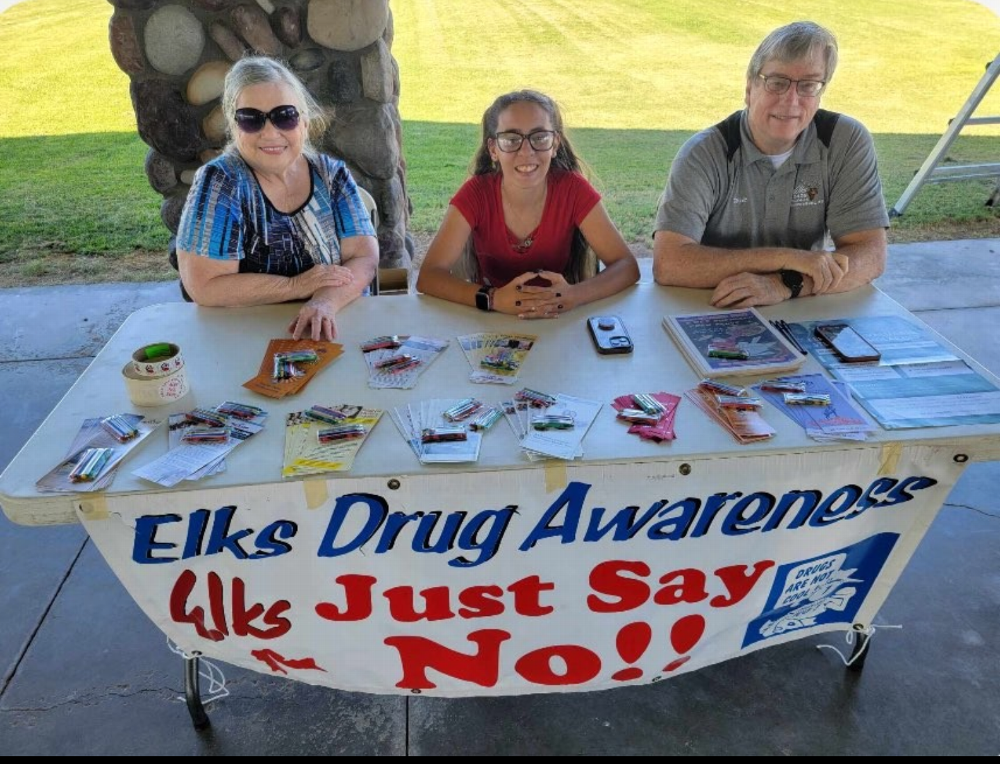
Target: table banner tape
(157,389)
(316,493)
(157,359)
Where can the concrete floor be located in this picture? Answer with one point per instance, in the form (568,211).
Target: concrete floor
(86,672)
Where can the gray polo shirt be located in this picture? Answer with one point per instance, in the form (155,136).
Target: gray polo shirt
(747,203)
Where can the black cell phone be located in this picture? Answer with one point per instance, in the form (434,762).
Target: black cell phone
(609,334)
(845,341)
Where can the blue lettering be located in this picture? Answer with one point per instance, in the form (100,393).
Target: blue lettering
(572,499)
(143,542)
(377,511)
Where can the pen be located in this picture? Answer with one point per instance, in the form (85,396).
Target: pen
(785,329)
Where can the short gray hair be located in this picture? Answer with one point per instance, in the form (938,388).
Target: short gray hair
(257,70)
(794,42)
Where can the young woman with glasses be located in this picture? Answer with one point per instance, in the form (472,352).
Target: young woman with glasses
(271,219)
(527,227)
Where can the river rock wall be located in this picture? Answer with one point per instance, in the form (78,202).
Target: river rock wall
(177,52)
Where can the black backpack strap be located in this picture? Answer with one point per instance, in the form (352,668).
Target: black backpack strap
(730,129)
(824,120)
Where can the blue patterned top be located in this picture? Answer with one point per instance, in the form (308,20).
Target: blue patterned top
(228,217)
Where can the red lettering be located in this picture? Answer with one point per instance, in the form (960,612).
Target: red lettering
(736,583)
(480,601)
(582,665)
(179,612)
(691,587)
(605,578)
(527,599)
(439,602)
(358,590)
(417,654)
(243,616)
(402,606)
(275,661)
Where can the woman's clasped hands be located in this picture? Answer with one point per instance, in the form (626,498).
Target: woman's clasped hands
(536,294)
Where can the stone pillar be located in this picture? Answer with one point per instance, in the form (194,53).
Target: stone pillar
(177,52)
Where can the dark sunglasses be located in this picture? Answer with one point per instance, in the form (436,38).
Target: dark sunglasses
(282,117)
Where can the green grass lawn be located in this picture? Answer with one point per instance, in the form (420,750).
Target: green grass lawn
(635,78)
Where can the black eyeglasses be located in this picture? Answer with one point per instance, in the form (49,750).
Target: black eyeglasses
(282,117)
(510,141)
(779,84)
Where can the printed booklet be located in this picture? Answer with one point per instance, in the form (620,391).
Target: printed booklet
(732,342)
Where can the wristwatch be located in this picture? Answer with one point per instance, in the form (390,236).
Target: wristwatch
(792,280)
(484,298)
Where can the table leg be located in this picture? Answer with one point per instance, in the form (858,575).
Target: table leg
(861,648)
(192,693)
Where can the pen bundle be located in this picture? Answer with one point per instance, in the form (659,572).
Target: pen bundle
(326,438)
(95,453)
(734,408)
(397,361)
(289,365)
(650,415)
(199,440)
(496,358)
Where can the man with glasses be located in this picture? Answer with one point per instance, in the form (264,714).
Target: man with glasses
(752,202)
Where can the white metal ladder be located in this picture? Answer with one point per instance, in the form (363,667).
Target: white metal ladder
(929,172)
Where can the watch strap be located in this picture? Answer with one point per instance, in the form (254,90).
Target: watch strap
(792,280)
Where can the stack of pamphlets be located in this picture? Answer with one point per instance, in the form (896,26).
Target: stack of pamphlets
(732,342)
(289,365)
(550,426)
(98,448)
(823,408)
(199,441)
(437,432)
(649,415)
(496,358)
(326,438)
(733,408)
(397,361)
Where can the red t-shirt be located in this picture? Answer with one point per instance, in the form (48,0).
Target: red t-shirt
(569,199)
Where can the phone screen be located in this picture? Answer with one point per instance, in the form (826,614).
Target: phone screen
(847,343)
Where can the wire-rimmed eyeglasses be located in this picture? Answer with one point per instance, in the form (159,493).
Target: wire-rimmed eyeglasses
(510,141)
(779,84)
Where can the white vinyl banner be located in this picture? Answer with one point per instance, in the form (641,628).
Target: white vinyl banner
(562,578)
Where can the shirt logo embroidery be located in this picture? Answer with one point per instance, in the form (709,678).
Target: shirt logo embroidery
(806,196)
(739,200)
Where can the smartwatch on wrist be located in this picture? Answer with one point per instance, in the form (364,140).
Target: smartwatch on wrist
(484,298)
(792,280)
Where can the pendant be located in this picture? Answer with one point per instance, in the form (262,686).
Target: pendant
(523,246)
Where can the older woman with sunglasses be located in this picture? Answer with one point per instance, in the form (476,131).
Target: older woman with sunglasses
(527,223)
(272,220)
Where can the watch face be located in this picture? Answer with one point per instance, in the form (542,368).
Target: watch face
(483,299)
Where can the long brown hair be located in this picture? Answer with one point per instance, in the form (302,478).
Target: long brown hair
(582,261)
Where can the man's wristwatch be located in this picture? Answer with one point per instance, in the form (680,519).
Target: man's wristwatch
(484,298)
(792,280)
